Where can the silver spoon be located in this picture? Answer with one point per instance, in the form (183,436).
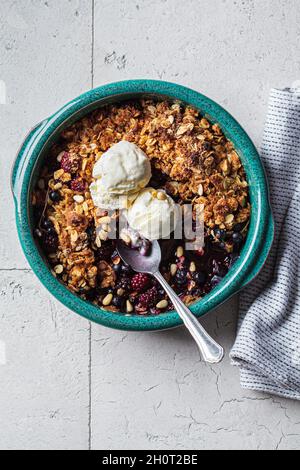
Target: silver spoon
(211,351)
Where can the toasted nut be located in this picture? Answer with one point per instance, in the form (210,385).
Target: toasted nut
(173,269)
(57,186)
(179,252)
(107,300)
(58,269)
(204,123)
(78,198)
(120,292)
(229,219)
(224,165)
(104,220)
(85,207)
(74,236)
(200,190)
(98,242)
(59,156)
(129,306)
(161,196)
(106,228)
(58,174)
(116,260)
(192,267)
(162,304)
(126,238)
(103,235)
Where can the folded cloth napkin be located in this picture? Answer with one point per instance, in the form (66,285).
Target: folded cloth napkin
(267,348)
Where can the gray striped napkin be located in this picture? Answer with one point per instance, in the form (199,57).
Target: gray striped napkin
(267,348)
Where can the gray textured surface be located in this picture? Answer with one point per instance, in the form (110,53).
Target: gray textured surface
(66,384)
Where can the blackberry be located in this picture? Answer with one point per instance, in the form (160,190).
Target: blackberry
(50,242)
(124,283)
(69,164)
(78,185)
(148,298)
(104,252)
(181,277)
(46,224)
(139,282)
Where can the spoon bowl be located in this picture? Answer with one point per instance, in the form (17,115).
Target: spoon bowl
(211,351)
(143,264)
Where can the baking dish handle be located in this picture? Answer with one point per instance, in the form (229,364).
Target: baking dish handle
(23,156)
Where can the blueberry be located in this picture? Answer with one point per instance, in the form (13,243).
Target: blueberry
(46,224)
(55,196)
(117,268)
(219,234)
(118,301)
(237,238)
(199,278)
(238,227)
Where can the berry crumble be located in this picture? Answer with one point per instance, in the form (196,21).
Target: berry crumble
(192,162)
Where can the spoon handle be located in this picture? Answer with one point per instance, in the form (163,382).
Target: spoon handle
(211,351)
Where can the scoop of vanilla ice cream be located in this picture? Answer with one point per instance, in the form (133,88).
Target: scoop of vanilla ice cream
(153,214)
(123,169)
(105,200)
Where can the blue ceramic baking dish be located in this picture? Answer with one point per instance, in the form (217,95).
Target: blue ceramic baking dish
(35,147)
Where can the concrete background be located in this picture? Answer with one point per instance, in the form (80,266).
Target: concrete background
(67,384)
